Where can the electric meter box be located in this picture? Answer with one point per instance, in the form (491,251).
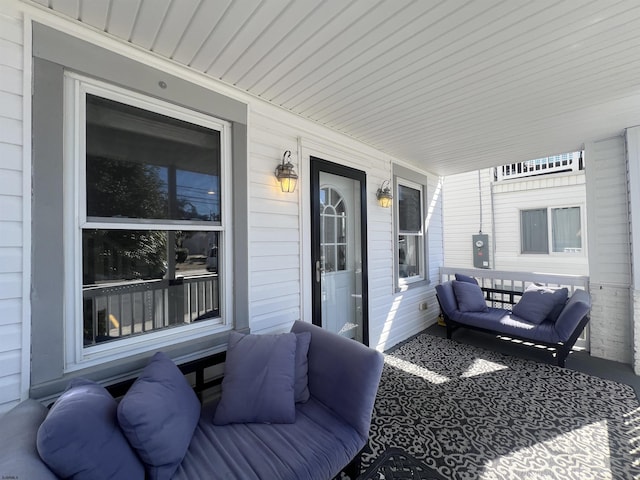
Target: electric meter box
(481,251)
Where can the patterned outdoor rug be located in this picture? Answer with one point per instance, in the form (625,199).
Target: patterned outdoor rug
(396,464)
(468,413)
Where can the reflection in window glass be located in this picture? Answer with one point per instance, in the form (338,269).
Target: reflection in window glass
(159,167)
(136,281)
(410,241)
(534,231)
(143,166)
(119,255)
(409,209)
(408,256)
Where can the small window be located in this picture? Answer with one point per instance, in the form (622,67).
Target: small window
(562,235)
(534,231)
(566,231)
(410,240)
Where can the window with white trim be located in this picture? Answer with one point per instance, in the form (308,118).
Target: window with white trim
(563,234)
(410,231)
(147,222)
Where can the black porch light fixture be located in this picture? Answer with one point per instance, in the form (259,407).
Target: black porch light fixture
(285,173)
(384,195)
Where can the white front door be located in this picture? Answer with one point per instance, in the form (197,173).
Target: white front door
(339,251)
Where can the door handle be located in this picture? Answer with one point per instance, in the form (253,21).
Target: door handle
(318,271)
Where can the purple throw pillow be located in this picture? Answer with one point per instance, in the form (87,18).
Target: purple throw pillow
(539,303)
(469,297)
(80,437)
(259,379)
(158,415)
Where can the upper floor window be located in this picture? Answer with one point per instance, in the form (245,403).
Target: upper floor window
(410,226)
(562,235)
(147,209)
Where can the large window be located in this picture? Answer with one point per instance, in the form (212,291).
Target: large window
(146,219)
(410,231)
(562,235)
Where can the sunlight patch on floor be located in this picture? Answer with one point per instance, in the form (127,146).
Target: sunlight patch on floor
(632,420)
(414,369)
(534,462)
(482,367)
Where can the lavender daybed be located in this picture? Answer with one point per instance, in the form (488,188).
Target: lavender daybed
(542,315)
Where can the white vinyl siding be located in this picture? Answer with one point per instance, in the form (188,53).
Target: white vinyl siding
(609,251)
(274,230)
(608,213)
(12,296)
(509,198)
(633,169)
(279,231)
(467,211)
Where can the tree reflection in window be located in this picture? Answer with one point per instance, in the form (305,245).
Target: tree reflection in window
(153,221)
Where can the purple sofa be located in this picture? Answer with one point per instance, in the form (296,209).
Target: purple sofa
(330,429)
(556,326)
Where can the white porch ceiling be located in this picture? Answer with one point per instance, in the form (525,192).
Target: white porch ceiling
(448,86)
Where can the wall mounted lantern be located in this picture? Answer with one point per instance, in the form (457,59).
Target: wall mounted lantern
(384,195)
(285,173)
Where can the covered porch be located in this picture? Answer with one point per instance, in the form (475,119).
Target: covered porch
(403,93)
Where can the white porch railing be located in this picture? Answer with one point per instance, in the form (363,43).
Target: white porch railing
(116,311)
(568,162)
(519,281)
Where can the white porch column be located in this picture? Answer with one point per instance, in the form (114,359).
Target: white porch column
(609,250)
(633,160)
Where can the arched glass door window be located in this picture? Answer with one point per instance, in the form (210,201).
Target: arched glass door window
(333,230)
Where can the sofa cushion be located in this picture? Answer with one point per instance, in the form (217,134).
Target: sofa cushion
(18,453)
(301,385)
(158,415)
(540,303)
(258,384)
(574,311)
(469,297)
(447,300)
(465,278)
(316,447)
(349,392)
(498,320)
(80,438)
